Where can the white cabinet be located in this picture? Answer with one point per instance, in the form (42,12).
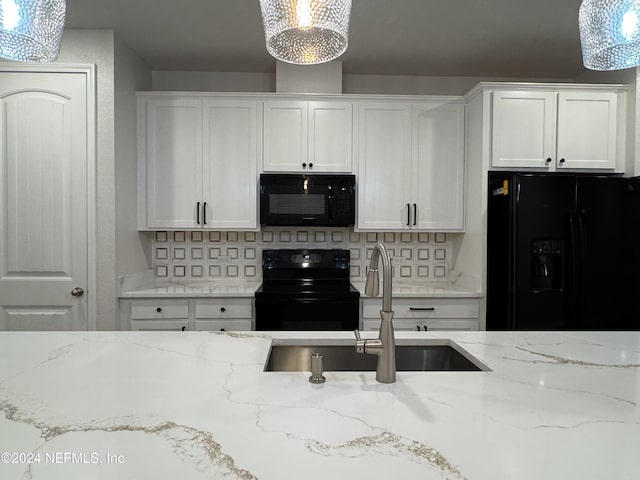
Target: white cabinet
(438,167)
(422,314)
(411,166)
(208,314)
(554,130)
(222,314)
(197,162)
(308,136)
(158,314)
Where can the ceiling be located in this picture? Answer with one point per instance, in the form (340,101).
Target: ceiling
(508,38)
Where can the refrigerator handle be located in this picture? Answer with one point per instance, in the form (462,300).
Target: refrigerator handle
(575,256)
(581,237)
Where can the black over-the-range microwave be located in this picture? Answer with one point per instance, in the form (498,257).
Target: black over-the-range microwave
(313,200)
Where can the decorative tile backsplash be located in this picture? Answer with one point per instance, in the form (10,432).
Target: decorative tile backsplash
(422,257)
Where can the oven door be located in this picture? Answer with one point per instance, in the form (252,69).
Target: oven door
(306,314)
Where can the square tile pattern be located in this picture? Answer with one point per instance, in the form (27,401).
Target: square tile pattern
(238,255)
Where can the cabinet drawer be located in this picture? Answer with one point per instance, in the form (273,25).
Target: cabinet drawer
(225,308)
(425,308)
(223,325)
(456,324)
(159,309)
(160,325)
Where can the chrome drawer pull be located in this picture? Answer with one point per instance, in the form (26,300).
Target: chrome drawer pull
(422,309)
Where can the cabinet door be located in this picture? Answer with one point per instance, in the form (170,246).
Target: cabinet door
(160,325)
(523,129)
(173,162)
(455,324)
(230,164)
(438,167)
(224,308)
(408,325)
(285,136)
(330,137)
(587,130)
(384,166)
(237,325)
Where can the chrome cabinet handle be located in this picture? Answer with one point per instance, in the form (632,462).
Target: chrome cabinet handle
(77,292)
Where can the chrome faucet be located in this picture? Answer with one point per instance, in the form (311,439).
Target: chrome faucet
(385,345)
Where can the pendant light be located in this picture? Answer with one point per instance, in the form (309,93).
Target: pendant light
(610,34)
(31,30)
(306,32)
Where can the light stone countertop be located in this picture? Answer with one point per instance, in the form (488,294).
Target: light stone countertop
(197,405)
(247,289)
(194,289)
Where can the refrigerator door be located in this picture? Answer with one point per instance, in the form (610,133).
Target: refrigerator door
(542,207)
(609,231)
(500,248)
(527,251)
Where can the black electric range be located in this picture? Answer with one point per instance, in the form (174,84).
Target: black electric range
(306,289)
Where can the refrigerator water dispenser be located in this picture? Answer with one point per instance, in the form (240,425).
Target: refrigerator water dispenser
(546,264)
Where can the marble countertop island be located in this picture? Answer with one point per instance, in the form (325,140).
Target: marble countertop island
(198,405)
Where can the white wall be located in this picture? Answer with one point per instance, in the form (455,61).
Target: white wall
(96,46)
(417,85)
(119,74)
(179,81)
(132,249)
(351,84)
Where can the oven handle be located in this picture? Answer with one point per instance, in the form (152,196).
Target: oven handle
(283,301)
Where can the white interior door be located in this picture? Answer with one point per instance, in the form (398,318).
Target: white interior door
(43,201)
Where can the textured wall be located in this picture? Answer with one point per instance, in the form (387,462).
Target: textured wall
(197,255)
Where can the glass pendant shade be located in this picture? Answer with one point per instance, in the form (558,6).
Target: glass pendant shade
(31,30)
(306,32)
(610,34)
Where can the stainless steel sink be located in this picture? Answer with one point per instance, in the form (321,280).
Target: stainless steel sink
(433,356)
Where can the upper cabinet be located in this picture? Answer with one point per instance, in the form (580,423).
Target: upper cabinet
(198,161)
(554,130)
(411,166)
(308,136)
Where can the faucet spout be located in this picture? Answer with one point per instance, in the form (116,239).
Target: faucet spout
(371,287)
(384,346)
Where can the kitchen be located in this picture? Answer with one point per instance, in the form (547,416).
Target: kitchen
(122,250)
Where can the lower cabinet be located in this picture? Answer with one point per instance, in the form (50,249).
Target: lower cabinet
(182,314)
(222,314)
(424,314)
(161,315)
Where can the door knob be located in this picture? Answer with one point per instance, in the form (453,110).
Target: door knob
(77,292)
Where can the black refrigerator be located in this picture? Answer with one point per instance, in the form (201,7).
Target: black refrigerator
(563,252)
